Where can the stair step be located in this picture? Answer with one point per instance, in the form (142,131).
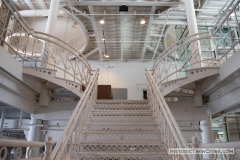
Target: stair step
(102,133)
(121,120)
(122,137)
(123,156)
(116,113)
(121,107)
(121,127)
(131,154)
(123,143)
(122,102)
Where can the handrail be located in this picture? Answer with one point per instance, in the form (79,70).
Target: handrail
(171,133)
(19,145)
(28,45)
(225,15)
(169,65)
(72,135)
(166,51)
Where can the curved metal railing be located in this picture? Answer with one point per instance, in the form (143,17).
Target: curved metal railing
(207,49)
(38,49)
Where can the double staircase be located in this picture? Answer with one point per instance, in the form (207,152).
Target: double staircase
(122,130)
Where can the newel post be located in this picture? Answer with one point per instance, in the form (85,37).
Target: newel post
(195,145)
(48,148)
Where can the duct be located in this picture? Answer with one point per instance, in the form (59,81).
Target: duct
(38,13)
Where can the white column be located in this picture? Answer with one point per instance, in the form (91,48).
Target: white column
(2,121)
(193,29)
(206,128)
(191,17)
(51,23)
(52,17)
(34,133)
(225,134)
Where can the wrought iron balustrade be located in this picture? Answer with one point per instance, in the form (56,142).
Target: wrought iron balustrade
(69,144)
(19,149)
(206,49)
(39,49)
(169,129)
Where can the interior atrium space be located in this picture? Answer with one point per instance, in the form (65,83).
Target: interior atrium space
(120,80)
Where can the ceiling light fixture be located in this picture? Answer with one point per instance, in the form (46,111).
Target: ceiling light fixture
(102,21)
(106,55)
(142,21)
(103,38)
(232,14)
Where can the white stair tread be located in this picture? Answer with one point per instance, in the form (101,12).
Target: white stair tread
(152,154)
(124,142)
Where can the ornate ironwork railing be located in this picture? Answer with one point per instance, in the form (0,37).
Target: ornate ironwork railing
(39,49)
(69,144)
(18,148)
(207,49)
(169,129)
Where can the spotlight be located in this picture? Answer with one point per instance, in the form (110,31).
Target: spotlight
(106,55)
(142,21)
(232,14)
(103,38)
(102,21)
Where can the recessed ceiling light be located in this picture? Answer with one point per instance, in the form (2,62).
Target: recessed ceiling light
(232,14)
(102,21)
(142,21)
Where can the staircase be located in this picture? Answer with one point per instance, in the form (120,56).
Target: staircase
(122,130)
(50,76)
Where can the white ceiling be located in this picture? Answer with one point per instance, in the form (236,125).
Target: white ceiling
(126,38)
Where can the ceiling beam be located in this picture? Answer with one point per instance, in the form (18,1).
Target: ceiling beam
(42,4)
(122,35)
(148,30)
(29,4)
(152,49)
(80,12)
(199,23)
(94,25)
(119,3)
(91,52)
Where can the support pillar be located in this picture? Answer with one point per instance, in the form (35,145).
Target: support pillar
(51,24)
(206,128)
(2,121)
(195,144)
(34,133)
(225,133)
(193,29)
(44,98)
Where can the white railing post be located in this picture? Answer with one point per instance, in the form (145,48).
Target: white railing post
(48,148)
(195,144)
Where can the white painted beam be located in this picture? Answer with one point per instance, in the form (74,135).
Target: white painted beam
(148,31)
(93,20)
(119,3)
(91,52)
(29,4)
(42,4)
(37,13)
(122,35)
(80,12)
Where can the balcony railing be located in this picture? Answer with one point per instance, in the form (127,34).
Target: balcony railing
(38,49)
(215,48)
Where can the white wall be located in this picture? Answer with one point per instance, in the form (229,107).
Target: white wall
(130,75)
(63,31)
(188,117)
